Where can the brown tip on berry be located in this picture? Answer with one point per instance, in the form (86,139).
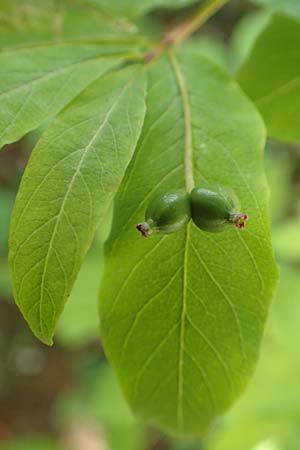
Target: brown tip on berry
(144,229)
(240,220)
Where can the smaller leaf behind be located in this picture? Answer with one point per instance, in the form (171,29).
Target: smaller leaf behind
(271,77)
(67,188)
(290,7)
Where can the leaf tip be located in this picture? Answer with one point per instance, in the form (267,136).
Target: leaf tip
(42,337)
(47,341)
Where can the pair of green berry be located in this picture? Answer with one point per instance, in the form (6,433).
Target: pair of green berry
(211,209)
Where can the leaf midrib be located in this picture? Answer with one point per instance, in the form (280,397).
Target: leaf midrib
(188,146)
(189,183)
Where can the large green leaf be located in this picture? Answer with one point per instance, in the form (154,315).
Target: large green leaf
(271,77)
(132,8)
(182,315)
(38,82)
(291,7)
(67,188)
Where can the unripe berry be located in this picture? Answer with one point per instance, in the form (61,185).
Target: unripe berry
(214,208)
(166,213)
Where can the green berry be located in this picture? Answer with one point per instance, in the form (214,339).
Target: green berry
(213,209)
(166,213)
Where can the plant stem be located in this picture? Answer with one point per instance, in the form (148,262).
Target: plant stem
(205,12)
(182,31)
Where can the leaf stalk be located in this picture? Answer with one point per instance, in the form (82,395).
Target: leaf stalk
(181,32)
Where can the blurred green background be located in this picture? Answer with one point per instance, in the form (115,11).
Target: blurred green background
(66,397)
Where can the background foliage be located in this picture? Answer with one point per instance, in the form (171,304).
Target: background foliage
(268,414)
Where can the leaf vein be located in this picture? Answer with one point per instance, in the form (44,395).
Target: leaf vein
(152,357)
(214,350)
(142,309)
(226,298)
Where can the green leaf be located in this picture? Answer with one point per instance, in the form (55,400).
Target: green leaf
(29,24)
(210,47)
(290,7)
(244,36)
(271,78)
(131,8)
(176,311)
(81,23)
(67,189)
(38,82)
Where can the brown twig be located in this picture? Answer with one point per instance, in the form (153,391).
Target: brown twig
(182,31)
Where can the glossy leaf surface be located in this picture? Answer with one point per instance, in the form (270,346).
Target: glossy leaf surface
(177,312)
